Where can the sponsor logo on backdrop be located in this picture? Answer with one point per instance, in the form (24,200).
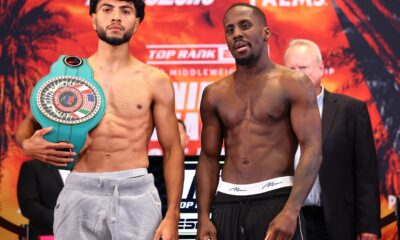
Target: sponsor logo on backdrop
(201,72)
(183,61)
(288,3)
(188,221)
(178,2)
(189,54)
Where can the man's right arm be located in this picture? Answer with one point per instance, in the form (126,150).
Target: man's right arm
(29,136)
(208,166)
(26,129)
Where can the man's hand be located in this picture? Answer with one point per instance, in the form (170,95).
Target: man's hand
(282,227)
(367,236)
(206,230)
(168,228)
(47,152)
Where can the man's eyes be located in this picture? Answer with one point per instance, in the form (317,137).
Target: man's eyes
(126,11)
(123,11)
(106,10)
(246,25)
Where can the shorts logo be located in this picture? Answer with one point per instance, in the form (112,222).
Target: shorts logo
(237,189)
(270,184)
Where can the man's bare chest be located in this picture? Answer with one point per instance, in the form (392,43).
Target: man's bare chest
(262,105)
(128,100)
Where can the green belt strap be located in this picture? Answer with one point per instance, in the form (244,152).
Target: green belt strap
(69,100)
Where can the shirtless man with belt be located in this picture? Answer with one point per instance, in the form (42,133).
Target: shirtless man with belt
(109,194)
(261,112)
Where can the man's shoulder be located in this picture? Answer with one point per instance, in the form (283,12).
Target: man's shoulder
(343,98)
(218,86)
(280,69)
(292,83)
(287,75)
(157,81)
(151,72)
(348,105)
(226,81)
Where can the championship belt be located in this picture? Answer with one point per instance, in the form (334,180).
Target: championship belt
(69,100)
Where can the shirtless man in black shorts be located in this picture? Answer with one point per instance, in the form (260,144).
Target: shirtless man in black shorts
(261,112)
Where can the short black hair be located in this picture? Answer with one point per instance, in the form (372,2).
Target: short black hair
(139,6)
(258,12)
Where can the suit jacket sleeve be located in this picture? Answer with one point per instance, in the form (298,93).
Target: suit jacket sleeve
(366,175)
(29,197)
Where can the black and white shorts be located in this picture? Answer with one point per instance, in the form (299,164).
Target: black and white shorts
(247,217)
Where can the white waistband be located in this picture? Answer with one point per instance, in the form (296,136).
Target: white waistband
(254,188)
(116,175)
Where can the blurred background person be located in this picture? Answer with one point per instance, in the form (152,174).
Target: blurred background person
(344,201)
(38,188)
(183,135)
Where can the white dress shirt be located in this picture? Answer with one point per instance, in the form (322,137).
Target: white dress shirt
(314,197)
(64,174)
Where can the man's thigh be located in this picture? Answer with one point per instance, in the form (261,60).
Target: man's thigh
(80,215)
(137,216)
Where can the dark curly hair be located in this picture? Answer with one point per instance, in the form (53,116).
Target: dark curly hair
(139,6)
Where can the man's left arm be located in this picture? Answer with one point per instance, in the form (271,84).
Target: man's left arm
(168,137)
(306,125)
(367,223)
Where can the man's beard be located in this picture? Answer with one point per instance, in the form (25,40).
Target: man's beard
(247,60)
(114,41)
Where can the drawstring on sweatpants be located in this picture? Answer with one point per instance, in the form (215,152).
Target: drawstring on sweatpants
(114,204)
(244,209)
(114,200)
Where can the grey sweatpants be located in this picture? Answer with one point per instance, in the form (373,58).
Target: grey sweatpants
(115,205)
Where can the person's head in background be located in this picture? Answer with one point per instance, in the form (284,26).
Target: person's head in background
(305,56)
(182,133)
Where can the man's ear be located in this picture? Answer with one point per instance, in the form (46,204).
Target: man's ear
(93,16)
(136,26)
(267,33)
(321,69)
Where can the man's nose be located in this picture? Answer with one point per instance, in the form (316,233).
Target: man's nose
(116,16)
(237,34)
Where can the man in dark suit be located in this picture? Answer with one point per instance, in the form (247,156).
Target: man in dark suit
(38,189)
(344,202)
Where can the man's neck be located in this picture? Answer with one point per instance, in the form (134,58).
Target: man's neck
(261,66)
(111,58)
